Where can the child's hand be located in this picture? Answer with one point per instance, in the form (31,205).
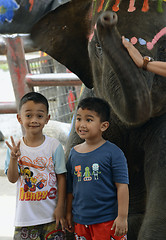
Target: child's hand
(59,217)
(15,149)
(120,226)
(69,227)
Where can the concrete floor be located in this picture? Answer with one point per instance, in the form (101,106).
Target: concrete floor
(7,208)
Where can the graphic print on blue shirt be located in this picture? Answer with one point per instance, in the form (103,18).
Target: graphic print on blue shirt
(87,176)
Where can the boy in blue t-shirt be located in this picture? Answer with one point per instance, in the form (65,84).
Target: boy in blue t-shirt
(97,178)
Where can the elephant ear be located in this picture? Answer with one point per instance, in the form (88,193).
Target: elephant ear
(64,33)
(18,16)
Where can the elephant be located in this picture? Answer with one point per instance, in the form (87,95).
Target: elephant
(85,36)
(137,125)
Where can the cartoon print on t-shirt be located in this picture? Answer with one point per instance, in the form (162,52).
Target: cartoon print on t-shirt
(95,168)
(40,186)
(78,172)
(30,182)
(87,175)
(52,179)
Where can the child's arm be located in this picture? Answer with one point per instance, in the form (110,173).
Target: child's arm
(69,212)
(60,208)
(12,172)
(120,223)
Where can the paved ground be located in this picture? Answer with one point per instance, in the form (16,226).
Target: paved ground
(7,199)
(7,208)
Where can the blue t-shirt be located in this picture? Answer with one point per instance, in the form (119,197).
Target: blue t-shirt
(91,178)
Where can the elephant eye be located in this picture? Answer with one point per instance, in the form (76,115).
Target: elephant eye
(99,49)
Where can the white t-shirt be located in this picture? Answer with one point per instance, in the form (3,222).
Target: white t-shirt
(37,184)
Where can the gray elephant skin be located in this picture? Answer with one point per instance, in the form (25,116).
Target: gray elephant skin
(137,98)
(137,101)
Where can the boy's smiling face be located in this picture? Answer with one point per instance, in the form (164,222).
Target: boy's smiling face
(88,124)
(33,117)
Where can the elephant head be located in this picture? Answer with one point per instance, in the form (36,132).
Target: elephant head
(69,34)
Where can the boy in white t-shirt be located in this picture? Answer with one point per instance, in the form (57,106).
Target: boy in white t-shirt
(37,164)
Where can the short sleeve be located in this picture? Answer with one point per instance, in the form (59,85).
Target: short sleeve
(7,161)
(59,160)
(120,168)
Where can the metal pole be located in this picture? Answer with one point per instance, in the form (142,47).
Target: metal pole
(8,107)
(53,79)
(17,66)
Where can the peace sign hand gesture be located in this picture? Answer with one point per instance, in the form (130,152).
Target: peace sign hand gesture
(15,149)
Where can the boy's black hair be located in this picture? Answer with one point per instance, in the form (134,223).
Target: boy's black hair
(100,106)
(35,97)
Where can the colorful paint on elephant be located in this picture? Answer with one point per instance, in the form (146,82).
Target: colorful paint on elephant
(7,8)
(132,7)
(31,2)
(151,44)
(103,5)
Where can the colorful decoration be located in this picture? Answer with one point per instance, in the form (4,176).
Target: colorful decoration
(145,6)
(98,7)
(101,6)
(156,38)
(132,7)
(159,6)
(151,44)
(7,8)
(115,7)
(31,2)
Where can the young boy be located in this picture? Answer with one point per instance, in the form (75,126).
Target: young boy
(37,164)
(97,178)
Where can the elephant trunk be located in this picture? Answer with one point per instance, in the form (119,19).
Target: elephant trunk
(131,99)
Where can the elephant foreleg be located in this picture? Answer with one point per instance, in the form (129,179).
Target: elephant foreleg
(154,223)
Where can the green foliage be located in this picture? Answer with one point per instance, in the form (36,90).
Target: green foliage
(4,66)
